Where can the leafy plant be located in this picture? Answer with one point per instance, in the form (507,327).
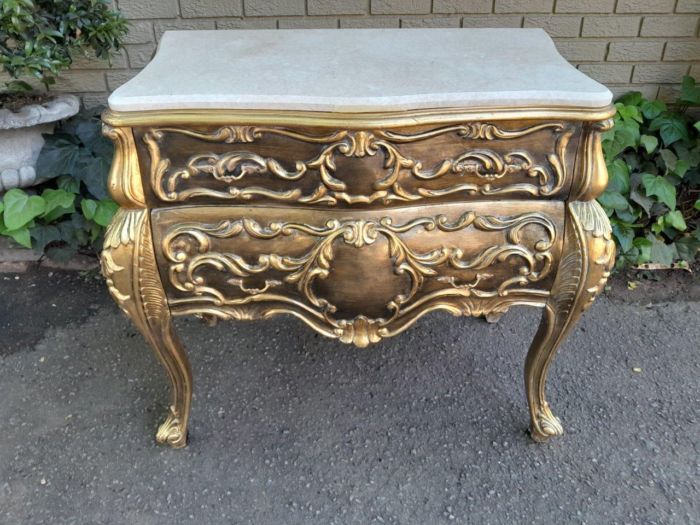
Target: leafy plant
(39,38)
(70,211)
(652,198)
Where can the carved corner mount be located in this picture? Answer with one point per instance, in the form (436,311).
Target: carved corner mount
(124,182)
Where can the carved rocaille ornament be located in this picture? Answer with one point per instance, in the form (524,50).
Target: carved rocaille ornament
(286,282)
(243,174)
(356,230)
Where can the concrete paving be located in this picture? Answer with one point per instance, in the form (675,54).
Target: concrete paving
(289,427)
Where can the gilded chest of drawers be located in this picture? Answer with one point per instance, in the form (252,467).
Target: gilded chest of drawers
(357,180)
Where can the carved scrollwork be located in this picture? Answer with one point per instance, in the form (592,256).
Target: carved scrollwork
(232,167)
(188,250)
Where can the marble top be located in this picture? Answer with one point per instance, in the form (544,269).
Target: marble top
(358,70)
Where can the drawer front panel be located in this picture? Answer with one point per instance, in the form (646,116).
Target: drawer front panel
(357,168)
(361,276)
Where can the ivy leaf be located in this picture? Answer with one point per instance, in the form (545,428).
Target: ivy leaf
(672,128)
(58,203)
(697,125)
(58,157)
(688,247)
(21,209)
(20,236)
(624,234)
(625,136)
(613,200)
(104,212)
(619,176)
(697,204)
(661,188)
(660,252)
(89,207)
(652,108)
(690,92)
(645,202)
(632,98)
(68,183)
(650,142)
(675,220)
(44,235)
(644,246)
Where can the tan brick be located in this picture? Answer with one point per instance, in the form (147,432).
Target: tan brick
(90,61)
(206,8)
(683,51)
(695,71)
(462,6)
(555,25)
(94,100)
(400,7)
(645,6)
(310,22)
(575,50)
(140,32)
(492,21)
(666,73)
(161,26)
(610,26)
(369,22)
(585,6)
(524,6)
(140,54)
(669,93)
(117,78)
(618,90)
(79,81)
(688,6)
(150,9)
(608,73)
(274,7)
(338,7)
(683,25)
(247,23)
(431,21)
(635,51)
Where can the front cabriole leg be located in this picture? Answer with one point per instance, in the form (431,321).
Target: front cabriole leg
(129,267)
(587,259)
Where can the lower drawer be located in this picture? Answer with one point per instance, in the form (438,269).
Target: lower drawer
(357,275)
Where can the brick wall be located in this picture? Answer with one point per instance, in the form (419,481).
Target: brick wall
(646,45)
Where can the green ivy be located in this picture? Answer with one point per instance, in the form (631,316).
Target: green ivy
(653,158)
(70,211)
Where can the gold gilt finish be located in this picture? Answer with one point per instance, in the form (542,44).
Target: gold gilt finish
(357,224)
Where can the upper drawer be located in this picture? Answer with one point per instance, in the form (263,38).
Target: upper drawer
(332,167)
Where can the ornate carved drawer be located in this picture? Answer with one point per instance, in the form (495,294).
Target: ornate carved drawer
(347,167)
(356,212)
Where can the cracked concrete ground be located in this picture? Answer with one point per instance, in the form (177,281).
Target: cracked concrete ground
(288,427)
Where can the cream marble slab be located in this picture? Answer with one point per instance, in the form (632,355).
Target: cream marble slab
(358,70)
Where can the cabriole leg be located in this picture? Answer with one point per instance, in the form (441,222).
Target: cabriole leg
(587,258)
(129,267)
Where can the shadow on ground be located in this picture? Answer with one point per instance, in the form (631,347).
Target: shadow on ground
(289,427)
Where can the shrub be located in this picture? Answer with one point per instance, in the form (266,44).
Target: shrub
(652,198)
(71,211)
(39,38)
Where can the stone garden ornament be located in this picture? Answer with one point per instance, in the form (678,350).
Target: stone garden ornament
(21,138)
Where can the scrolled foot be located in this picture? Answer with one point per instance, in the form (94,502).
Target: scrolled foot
(545,425)
(172,432)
